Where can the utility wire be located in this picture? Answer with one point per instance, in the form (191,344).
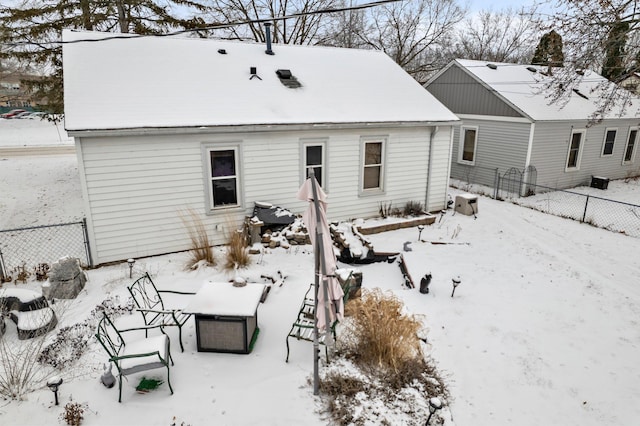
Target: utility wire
(212,27)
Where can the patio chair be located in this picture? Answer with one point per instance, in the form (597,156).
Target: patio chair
(303,326)
(150,304)
(133,356)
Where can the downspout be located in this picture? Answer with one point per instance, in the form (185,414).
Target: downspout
(444,200)
(527,161)
(434,130)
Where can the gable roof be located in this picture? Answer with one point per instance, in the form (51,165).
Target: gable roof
(523,89)
(158,82)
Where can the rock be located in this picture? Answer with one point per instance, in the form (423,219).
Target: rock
(66,279)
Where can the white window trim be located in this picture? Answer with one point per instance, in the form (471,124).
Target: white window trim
(206,149)
(304,143)
(461,145)
(604,142)
(583,132)
(635,145)
(383,165)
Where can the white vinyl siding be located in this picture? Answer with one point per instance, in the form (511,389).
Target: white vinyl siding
(138,188)
(630,148)
(609,141)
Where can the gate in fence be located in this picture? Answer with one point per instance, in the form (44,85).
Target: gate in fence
(514,183)
(23,251)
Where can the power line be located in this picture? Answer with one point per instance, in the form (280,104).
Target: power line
(212,27)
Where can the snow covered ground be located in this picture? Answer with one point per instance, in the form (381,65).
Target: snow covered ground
(543,330)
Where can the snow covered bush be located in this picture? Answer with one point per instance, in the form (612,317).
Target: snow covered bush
(381,375)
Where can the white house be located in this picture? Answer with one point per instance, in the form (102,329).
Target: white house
(509,122)
(165,124)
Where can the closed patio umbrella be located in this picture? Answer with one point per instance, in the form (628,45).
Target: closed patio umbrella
(329,295)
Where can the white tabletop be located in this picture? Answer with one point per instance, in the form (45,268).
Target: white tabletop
(222,298)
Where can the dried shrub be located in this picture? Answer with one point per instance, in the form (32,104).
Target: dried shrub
(412,208)
(378,335)
(385,209)
(73,413)
(201,249)
(237,253)
(380,361)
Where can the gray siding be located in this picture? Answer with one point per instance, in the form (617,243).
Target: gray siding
(462,94)
(137,187)
(500,145)
(551,145)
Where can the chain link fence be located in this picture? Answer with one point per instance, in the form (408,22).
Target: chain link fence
(616,216)
(23,251)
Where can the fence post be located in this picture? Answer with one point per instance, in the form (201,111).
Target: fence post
(85,234)
(2,271)
(584,215)
(496,181)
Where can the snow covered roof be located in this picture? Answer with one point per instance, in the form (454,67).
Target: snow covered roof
(523,88)
(151,82)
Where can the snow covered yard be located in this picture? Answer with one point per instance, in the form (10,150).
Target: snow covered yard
(543,328)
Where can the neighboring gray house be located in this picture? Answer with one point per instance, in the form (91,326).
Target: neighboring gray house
(165,124)
(508,122)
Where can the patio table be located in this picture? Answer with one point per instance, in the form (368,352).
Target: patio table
(226,316)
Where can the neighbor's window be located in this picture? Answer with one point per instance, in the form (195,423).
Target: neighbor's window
(468,142)
(373,167)
(575,150)
(629,150)
(609,139)
(223,166)
(314,160)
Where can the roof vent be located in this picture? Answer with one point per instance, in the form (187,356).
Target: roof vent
(580,72)
(288,79)
(532,69)
(579,93)
(492,66)
(284,74)
(254,73)
(222,51)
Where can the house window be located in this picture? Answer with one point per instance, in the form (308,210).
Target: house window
(609,139)
(223,177)
(468,143)
(373,165)
(629,150)
(575,150)
(314,160)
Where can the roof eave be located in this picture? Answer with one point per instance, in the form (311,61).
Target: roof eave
(251,128)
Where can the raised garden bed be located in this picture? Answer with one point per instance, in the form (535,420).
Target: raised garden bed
(391,224)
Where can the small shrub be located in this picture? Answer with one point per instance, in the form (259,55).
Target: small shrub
(73,413)
(412,208)
(237,254)
(201,250)
(385,209)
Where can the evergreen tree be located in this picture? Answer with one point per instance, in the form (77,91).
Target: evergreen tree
(613,67)
(549,50)
(33,31)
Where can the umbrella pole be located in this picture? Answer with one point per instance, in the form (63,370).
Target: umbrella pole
(319,259)
(316,338)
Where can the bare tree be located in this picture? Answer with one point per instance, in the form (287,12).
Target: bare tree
(251,14)
(412,32)
(598,35)
(502,36)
